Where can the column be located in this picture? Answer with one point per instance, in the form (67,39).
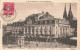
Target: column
(27,31)
(24,31)
(34,30)
(31,30)
(62,31)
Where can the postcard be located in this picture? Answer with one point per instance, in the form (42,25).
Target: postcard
(38,25)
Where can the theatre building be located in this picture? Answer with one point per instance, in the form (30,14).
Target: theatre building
(42,25)
(46,26)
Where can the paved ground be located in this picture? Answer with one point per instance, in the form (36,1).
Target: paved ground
(47,45)
(34,44)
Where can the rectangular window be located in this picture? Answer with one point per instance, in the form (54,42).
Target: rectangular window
(45,32)
(37,32)
(29,30)
(41,32)
(47,21)
(33,30)
(52,21)
(38,22)
(50,32)
(43,22)
(60,30)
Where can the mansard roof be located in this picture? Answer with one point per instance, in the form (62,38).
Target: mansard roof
(47,18)
(40,16)
(18,23)
(32,17)
(44,17)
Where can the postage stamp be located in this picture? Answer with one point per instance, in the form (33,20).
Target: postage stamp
(8,12)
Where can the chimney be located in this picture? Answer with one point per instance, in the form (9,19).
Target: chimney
(47,13)
(42,12)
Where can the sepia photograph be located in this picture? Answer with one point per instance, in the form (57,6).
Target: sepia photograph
(39,25)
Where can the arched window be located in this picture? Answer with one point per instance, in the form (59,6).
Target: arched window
(41,31)
(45,27)
(47,21)
(50,27)
(37,30)
(52,21)
(60,30)
(41,27)
(45,30)
(63,29)
(50,32)
(43,22)
(38,22)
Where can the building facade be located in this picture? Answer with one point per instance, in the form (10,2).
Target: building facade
(42,25)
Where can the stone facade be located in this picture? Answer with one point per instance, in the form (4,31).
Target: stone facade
(42,25)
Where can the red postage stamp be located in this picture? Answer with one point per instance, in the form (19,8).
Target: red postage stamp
(8,12)
(8,9)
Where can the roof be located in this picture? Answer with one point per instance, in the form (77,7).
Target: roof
(46,18)
(18,23)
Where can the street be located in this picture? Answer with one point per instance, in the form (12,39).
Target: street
(37,44)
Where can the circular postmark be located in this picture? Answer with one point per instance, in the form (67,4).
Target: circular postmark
(8,15)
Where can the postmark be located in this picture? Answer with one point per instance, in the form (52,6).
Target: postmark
(8,13)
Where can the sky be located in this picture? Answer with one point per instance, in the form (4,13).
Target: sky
(23,10)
